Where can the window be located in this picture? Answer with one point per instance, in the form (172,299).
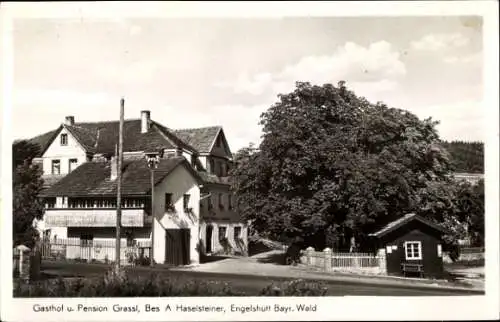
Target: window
(210,204)
(130,239)
(185,201)
(212,166)
(237,233)
(221,202)
(86,240)
(229,201)
(72,164)
(56,167)
(64,139)
(222,233)
(50,203)
(169,206)
(413,250)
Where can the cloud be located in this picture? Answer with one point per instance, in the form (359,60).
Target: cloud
(374,68)
(472,58)
(240,122)
(463,120)
(127,25)
(437,42)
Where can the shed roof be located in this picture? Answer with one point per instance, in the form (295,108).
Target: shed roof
(396,224)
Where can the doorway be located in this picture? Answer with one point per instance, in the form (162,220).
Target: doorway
(208,238)
(177,246)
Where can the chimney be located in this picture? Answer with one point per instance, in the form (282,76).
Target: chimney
(114,167)
(70,120)
(145,118)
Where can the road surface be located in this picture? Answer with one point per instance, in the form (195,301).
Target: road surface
(252,285)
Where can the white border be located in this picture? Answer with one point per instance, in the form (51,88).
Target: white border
(337,308)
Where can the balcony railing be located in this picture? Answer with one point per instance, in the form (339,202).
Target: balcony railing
(66,217)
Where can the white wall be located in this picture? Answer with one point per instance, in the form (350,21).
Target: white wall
(179,182)
(216,246)
(73,150)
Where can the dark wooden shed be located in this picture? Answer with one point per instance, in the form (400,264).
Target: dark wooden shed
(413,247)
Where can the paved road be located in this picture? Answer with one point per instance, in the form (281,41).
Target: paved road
(251,285)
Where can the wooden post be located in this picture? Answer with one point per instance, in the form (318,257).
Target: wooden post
(119,186)
(309,251)
(153,217)
(327,252)
(382,265)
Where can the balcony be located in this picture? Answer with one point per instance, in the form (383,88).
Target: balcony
(78,217)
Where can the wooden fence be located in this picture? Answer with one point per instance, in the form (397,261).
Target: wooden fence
(94,250)
(329,260)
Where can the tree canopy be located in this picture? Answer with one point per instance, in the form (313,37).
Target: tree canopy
(466,156)
(332,165)
(26,185)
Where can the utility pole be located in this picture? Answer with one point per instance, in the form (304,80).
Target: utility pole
(152,159)
(119,186)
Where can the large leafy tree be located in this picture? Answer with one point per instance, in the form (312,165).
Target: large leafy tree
(26,185)
(332,166)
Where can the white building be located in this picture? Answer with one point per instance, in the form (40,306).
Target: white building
(194,209)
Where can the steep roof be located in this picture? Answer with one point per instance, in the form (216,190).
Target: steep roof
(94,178)
(102,137)
(201,139)
(392,226)
(44,140)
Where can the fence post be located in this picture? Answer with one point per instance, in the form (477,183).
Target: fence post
(382,264)
(309,251)
(24,262)
(327,253)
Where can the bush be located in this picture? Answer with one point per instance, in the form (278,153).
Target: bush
(126,284)
(142,261)
(123,284)
(295,288)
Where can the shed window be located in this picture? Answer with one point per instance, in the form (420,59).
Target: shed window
(413,250)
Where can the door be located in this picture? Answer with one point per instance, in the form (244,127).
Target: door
(177,246)
(208,238)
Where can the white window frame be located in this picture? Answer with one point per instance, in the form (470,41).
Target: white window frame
(417,242)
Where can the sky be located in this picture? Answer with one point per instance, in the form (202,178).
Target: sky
(194,72)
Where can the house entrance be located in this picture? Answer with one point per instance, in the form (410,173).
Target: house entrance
(208,238)
(177,246)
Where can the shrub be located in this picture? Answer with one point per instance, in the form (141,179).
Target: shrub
(129,284)
(122,284)
(142,261)
(295,288)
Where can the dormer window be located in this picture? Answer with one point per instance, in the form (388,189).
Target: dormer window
(64,139)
